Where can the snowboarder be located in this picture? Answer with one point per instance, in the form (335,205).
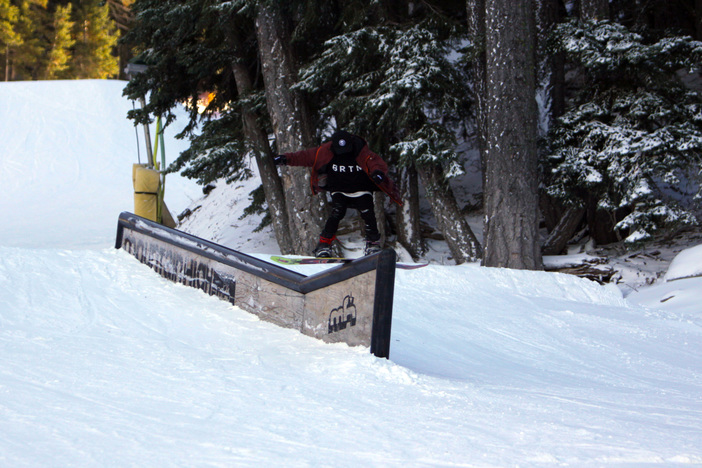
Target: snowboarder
(350,171)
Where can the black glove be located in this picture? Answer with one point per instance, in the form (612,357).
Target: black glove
(280,160)
(378,177)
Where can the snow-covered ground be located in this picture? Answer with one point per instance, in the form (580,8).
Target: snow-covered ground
(104,363)
(66,163)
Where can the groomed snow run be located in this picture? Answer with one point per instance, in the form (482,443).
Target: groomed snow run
(106,364)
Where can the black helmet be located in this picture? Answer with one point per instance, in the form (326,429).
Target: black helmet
(342,142)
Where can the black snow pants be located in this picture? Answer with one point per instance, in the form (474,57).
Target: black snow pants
(363,203)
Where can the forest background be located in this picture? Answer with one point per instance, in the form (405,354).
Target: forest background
(586,115)
(60,39)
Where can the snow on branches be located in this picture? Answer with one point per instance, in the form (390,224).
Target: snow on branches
(634,131)
(394,82)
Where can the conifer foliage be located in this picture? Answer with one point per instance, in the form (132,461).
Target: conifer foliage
(9,36)
(395,83)
(60,42)
(189,55)
(261,77)
(95,35)
(632,141)
(54,39)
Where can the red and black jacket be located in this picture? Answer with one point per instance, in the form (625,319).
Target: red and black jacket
(318,158)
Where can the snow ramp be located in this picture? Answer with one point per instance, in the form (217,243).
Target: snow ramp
(350,303)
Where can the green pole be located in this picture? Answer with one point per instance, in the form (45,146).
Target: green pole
(162,192)
(159,200)
(154,155)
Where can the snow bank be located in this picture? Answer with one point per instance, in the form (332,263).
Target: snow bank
(220,218)
(66,163)
(680,292)
(686,264)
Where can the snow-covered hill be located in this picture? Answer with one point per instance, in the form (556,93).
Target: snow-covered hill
(105,363)
(65,163)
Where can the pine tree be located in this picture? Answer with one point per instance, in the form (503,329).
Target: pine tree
(630,143)
(255,135)
(28,60)
(123,17)
(291,121)
(550,96)
(9,38)
(57,39)
(206,47)
(95,40)
(60,42)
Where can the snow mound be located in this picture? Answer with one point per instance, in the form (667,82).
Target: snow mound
(686,264)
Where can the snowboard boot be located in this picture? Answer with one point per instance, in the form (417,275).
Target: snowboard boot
(372,247)
(324,247)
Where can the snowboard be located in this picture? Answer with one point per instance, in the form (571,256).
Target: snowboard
(318,261)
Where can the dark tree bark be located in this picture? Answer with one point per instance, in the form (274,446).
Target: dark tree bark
(380,216)
(550,77)
(601,223)
(476,31)
(408,217)
(291,124)
(462,243)
(123,17)
(563,232)
(550,74)
(511,176)
(272,184)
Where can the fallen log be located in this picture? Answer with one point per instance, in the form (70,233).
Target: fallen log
(582,265)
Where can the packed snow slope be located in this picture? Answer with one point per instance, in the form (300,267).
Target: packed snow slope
(67,153)
(104,363)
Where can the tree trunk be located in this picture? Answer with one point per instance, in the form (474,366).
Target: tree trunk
(462,243)
(123,17)
(600,223)
(563,232)
(291,124)
(594,10)
(551,211)
(511,174)
(550,75)
(272,184)
(550,92)
(476,30)
(409,233)
(380,215)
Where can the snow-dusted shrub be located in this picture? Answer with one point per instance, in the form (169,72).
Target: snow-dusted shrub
(633,132)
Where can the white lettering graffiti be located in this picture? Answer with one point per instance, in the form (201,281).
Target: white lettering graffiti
(189,272)
(339,168)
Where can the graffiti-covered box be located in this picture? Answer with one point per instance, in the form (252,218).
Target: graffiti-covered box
(350,303)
